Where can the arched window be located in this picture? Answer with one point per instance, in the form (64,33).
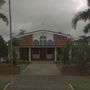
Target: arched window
(35,42)
(50,42)
(43,40)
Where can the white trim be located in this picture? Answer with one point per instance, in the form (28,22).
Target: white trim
(26,68)
(57,33)
(6,86)
(70,85)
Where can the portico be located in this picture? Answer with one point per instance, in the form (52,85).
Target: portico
(40,53)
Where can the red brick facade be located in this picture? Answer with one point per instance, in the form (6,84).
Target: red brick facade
(60,40)
(41,49)
(26,40)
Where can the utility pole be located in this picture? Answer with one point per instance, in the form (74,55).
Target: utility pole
(10,18)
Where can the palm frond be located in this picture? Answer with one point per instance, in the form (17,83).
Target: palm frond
(4,18)
(87,28)
(83,37)
(84,15)
(1,2)
(88,2)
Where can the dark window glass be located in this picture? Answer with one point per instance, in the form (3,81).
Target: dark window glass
(50,51)
(50,42)
(35,51)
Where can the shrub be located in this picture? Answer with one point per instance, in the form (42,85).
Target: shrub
(3,48)
(66,53)
(80,55)
(15,56)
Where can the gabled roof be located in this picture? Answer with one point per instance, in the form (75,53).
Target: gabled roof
(57,33)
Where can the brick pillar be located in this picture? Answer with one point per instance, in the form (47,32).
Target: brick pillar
(70,53)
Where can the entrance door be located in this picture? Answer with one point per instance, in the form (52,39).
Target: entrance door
(43,53)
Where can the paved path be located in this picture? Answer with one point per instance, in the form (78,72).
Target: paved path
(42,68)
(40,76)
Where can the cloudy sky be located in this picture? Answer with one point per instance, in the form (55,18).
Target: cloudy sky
(32,15)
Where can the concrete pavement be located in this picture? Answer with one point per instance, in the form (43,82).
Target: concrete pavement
(40,76)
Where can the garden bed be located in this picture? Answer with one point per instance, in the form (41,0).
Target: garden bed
(7,69)
(2,84)
(80,85)
(75,70)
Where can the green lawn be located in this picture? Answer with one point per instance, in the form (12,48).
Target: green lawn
(2,84)
(81,85)
(23,66)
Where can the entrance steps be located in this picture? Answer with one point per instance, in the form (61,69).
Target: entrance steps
(42,62)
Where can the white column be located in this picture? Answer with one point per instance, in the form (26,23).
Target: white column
(29,54)
(70,53)
(55,54)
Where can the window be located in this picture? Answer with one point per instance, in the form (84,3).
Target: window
(50,51)
(43,40)
(35,51)
(50,42)
(36,42)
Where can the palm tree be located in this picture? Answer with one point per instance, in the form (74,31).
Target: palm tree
(83,15)
(84,39)
(88,2)
(2,16)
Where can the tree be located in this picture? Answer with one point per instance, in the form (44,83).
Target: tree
(84,39)
(15,56)
(2,16)
(88,2)
(3,48)
(15,42)
(66,53)
(22,31)
(83,15)
(80,55)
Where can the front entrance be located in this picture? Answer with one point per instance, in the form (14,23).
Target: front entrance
(42,53)
(27,54)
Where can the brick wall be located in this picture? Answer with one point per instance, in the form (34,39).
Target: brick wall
(9,69)
(60,40)
(26,40)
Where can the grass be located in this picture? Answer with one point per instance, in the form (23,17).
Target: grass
(80,85)
(2,84)
(23,66)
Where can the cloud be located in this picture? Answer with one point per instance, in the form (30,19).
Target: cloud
(81,4)
(55,15)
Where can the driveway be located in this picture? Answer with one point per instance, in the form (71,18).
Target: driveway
(40,76)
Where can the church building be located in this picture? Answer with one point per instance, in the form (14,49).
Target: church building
(42,45)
